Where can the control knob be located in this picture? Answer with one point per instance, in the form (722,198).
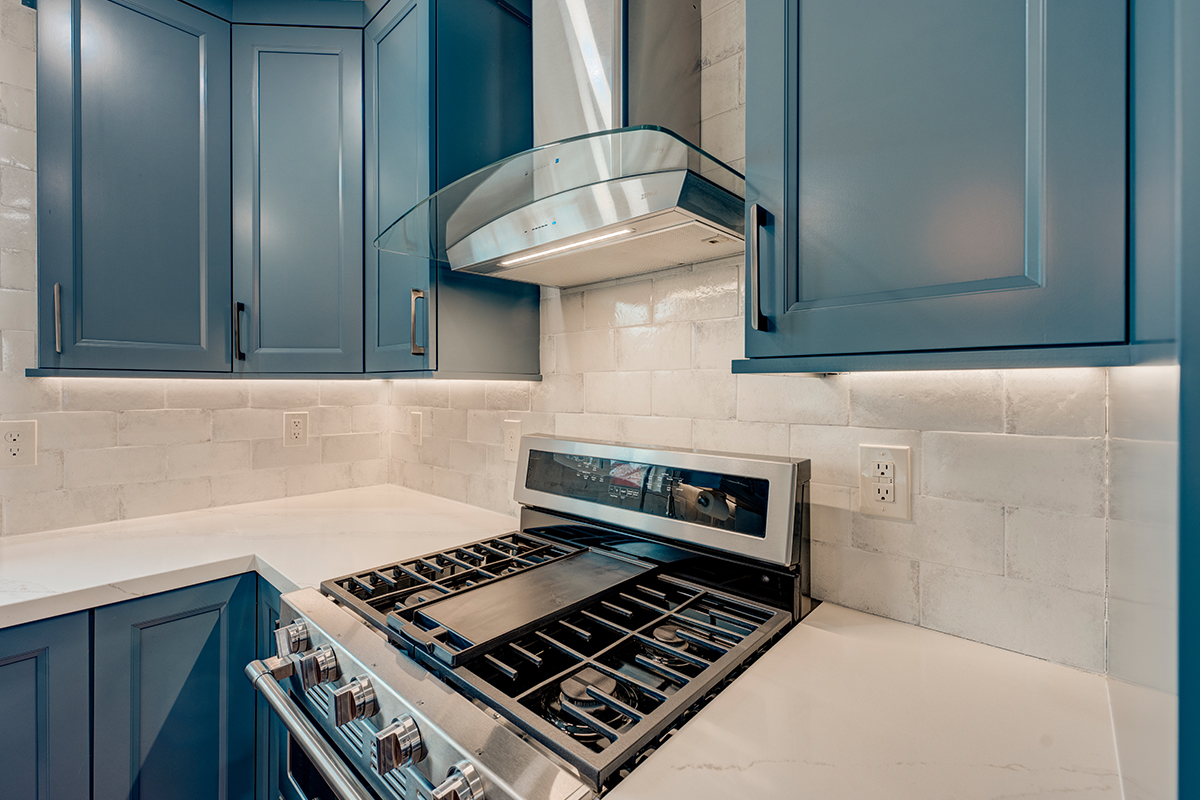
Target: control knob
(353,701)
(318,666)
(291,638)
(462,783)
(398,745)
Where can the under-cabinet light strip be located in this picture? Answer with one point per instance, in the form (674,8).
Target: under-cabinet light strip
(572,246)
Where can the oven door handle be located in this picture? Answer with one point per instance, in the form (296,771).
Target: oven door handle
(341,778)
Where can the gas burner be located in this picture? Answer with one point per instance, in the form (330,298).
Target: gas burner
(669,635)
(573,692)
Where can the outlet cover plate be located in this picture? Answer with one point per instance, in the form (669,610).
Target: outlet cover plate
(295,428)
(512,439)
(879,464)
(414,428)
(18,443)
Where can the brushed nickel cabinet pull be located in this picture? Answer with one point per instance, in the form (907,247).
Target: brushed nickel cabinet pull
(58,317)
(417,350)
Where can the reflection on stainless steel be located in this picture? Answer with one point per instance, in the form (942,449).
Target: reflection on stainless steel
(353,701)
(462,783)
(398,745)
(318,666)
(291,638)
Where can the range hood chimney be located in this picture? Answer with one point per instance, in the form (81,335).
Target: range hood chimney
(615,185)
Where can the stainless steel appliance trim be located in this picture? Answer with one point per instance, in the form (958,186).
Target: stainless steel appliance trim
(758,320)
(777,547)
(58,317)
(417,350)
(327,760)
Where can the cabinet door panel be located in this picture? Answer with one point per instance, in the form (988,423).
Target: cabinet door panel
(938,174)
(298,185)
(134,191)
(45,749)
(174,715)
(399,175)
(271,735)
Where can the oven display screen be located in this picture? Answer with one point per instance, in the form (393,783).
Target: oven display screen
(727,502)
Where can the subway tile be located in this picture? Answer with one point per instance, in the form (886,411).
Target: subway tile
(546,355)
(617,306)
(871,582)
(731,436)
(369,419)
(717,343)
(372,472)
(18,307)
(486,427)
(532,422)
(207,394)
(353,393)
(704,293)
(1055,402)
(558,393)
(1043,621)
(76,430)
(1143,403)
(1143,562)
(709,6)
(1053,550)
(1049,472)
(508,395)
(45,476)
(45,511)
(401,449)
(950,532)
(588,426)
(448,423)
(163,426)
(208,458)
(327,420)
(236,424)
(18,188)
(433,394)
(468,457)
(829,513)
(248,487)
(18,106)
(437,481)
(18,351)
(653,347)
(318,478)
(833,450)
(164,497)
(720,87)
(468,394)
(490,493)
(20,396)
(1143,480)
(284,394)
(112,394)
(723,32)
(792,398)
(724,136)
(351,447)
(114,465)
(18,269)
(617,392)
(18,148)
(968,400)
(403,392)
(18,25)
(655,431)
(1144,645)
(588,351)
(270,453)
(18,65)
(562,314)
(699,394)
(498,466)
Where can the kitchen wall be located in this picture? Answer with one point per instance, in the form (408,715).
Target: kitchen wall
(1008,539)
(114,449)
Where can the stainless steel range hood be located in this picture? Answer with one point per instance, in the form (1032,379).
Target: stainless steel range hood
(616,186)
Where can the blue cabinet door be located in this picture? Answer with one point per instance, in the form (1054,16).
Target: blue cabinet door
(400,311)
(133,186)
(271,736)
(45,680)
(297,174)
(173,712)
(936,174)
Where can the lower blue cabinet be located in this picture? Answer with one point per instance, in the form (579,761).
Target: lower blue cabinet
(271,735)
(174,716)
(44,697)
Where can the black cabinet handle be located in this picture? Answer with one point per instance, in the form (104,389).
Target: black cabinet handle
(417,350)
(238,308)
(758,320)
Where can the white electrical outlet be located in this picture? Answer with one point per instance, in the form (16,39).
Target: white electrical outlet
(512,439)
(414,428)
(18,443)
(295,428)
(885,481)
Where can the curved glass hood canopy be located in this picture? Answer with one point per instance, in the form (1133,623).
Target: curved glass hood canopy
(590,208)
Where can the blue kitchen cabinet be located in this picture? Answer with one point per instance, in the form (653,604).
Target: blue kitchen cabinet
(173,714)
(297,182)
(133,186)
(936,183)
(45,691)
(448,90)
(271,736)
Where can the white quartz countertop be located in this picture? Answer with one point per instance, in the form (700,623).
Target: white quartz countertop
(847,705)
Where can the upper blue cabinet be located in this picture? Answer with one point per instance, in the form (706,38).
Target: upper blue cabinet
(936,183)
(448,90)
(297,199)
(133,186)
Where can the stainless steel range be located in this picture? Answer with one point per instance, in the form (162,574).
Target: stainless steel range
(547,663)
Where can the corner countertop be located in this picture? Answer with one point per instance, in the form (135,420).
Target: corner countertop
(847,705)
